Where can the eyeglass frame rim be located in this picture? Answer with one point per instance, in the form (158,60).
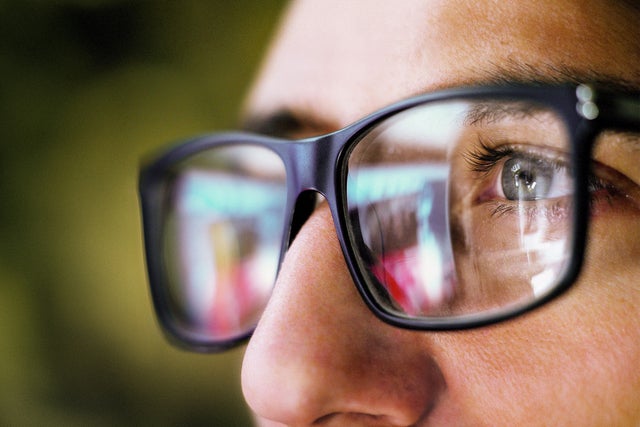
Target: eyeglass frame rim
(309,155)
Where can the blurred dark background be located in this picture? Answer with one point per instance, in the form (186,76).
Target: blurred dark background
(87,87)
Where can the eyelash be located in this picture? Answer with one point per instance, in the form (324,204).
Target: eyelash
(488,155)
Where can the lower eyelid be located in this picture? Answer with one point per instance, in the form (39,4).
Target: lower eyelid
(554,211)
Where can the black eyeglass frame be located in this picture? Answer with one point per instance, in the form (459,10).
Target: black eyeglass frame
(319,165)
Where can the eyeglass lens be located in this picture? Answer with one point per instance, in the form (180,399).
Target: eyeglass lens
(462,207)
(221,239)
(455,207)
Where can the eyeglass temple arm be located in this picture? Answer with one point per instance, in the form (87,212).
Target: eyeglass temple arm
(619,111)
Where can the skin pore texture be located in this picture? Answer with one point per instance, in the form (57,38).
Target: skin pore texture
(319,356)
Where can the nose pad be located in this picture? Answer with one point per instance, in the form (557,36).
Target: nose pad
(319,354)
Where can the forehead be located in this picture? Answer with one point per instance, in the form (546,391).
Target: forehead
(337,60)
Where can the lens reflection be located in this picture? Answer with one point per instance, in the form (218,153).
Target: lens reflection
(463,207)
(222,237)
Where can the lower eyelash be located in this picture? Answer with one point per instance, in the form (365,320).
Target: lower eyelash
(556,212)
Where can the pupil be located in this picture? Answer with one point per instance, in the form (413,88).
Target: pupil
(525,179)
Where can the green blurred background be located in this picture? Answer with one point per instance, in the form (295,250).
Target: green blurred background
(87,87)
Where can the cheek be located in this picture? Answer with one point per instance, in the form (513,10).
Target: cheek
(582,349)
(613,253)
(512,374)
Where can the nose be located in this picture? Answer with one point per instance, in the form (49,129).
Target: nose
(319,356)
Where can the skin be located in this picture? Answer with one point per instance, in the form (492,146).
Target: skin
(319,356)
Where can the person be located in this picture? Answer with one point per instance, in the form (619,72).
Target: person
(319,355)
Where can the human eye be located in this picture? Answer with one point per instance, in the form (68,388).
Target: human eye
(525,178)
(519,176)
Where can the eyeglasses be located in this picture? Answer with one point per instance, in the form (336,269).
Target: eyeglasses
(454,209)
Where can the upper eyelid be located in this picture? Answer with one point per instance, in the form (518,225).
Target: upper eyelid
(621,139)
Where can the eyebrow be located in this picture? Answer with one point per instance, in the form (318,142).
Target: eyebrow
(513,72)
(282,123)
(286,123)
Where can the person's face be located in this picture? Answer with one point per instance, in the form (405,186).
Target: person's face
(319,356)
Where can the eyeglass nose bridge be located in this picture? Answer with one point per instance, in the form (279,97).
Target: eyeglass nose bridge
(313,169)
(312,163)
